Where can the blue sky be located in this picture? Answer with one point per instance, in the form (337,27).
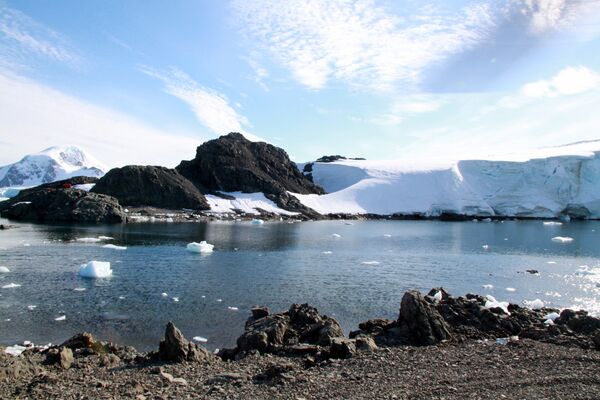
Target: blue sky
(147,81)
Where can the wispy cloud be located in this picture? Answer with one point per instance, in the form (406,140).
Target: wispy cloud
(211,108)
(569,81)
(22,37)
(401,110)
(34,116)
(356,41)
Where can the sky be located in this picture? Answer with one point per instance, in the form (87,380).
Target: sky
(146,82)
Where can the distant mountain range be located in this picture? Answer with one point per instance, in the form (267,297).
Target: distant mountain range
(53,164)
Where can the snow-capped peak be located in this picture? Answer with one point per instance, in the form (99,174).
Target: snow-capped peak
(52,164)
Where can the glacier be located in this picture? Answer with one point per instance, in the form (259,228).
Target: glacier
(53,164)
(550,183)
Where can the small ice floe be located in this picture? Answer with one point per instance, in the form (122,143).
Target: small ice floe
(31,307)
(336,235)
(552,223)
(488,286)
(510,289)
(505,239)
(536,304)
(163,294)
(370,263)
(26,245)
(232,308)
(327,252)
(200,339)
(202,247)
(348,223)
(485,246)
(387,235)
(121,297)
(257,221)
(95,269)
(553,294)
(203,296)
(562,239)
(176,299)
(491,302)
(219,300)
(106,238)
(4,270)
(11,286)
(88,240)
(551,262)
(486,220)
(61,318)
(114,247)
(551,316)
(15,350)
(79,289)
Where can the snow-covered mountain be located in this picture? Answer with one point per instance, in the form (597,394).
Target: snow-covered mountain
(52,164)
(549,183)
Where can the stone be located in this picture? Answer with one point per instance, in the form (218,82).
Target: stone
(83,340)
(65,357)
(175,347)
(259,312)
(139,185)
(169,378)
(425,324)
(228,377)
(342,348)
(109,360)
(365,343)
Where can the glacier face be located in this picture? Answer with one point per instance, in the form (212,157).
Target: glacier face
(53,164)
(544,187)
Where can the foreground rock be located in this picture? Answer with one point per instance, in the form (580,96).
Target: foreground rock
(232,163)
(175,347)
(61,202)
(137,185)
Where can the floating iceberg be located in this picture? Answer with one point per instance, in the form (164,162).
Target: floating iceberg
(88,240)
(163,294)
(387,235)
(510,289)
(232,308)
(201,247)
(488,286)
(336,235)
(370,262)
(114,247)
(551,316)
(552,223)
(11,286)
(200,339)
(106,238)
(61,318)
(80,289)
(562,239)
(493,303)
(258,221)
(95,269)
(534,304)
(4,270)
(485,246)
(31,308)
(327,252)
(176,299)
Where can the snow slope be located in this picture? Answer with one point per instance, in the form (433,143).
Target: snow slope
(549,183)
(53,164)
(249,203)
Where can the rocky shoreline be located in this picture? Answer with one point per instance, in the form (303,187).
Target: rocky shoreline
(440,346)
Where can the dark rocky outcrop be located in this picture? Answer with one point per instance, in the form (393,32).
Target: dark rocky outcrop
(300,330)
(233,163)
(137,185)
(60,202)
(424,324)
(328,159)
(175,347)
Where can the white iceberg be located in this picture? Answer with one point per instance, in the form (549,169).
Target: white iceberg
(11,286)
(15,350)
(80,289)
(176,299)
(327,252)
(510,289)
(4,270)
(200,339)
(163,294)
(370,262)
(258,221)
(31,307)
(534,304)
(488,286)
(88,240)
(114,247)
(336,235)
(491,302)
(562,239)
(106,238)
(552,223)
(61,318)
(485,246)
(201,247)
(551,316)
(95,269)
(232,308)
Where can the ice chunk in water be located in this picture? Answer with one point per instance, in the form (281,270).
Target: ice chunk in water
(488,286)
(114,247)
(61,318)
(80,289)
(15,350)
(4,270)
(11,286)
(485,246)
(551,316)
(95,269)
(201,247)
(327,252)
(258,221)
(493,303)
(200,339)
(232,308)
(552,223)
(534,304)
(106,238)
(32,307)
(510,289)
(163,294)
(88,240)
(562,239)
(387,235)
(370,262)
(176,299)
(336,235)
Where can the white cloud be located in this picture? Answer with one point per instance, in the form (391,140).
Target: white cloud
(211,108)
(356,41)
(34,117)
(22,37)
(569,81)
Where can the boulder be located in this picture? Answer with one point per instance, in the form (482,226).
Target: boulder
(425,324)
(342,348)
(65,357)
(63,204)
(137,185)
(175,347)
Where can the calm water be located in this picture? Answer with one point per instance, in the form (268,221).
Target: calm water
(276,264)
